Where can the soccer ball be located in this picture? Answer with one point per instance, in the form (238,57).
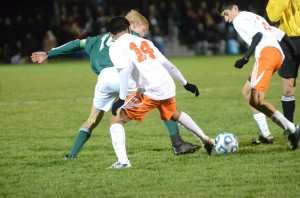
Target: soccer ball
(226,143)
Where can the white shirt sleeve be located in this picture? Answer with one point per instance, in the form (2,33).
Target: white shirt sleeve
(172,69)
(122,65)
(174,72)
(124,81)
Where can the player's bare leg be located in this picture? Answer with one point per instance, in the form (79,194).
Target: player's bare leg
(257,101)
(260,119)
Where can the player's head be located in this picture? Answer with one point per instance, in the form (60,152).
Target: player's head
(118,25)
(229,9)
(138,22)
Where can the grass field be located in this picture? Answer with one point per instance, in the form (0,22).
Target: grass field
(43,106)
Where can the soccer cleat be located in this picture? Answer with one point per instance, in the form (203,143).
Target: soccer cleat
(294,138)
(68,157)
(262,140)
(209,146)
(285,134)
(185,148)
(118,165)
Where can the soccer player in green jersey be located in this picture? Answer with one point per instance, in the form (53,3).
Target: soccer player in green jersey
(107,87)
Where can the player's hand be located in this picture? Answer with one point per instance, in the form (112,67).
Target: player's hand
(116,106)
(192,88)
(39,57)
(240,63)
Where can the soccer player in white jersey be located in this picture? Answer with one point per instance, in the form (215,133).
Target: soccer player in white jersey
(265,135)
(257,33)
(138,59)
(107,87)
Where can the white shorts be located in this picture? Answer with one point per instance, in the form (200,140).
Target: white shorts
(107,89)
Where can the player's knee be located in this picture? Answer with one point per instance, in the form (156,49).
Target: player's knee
(288,92)
(289,88)
(91,123)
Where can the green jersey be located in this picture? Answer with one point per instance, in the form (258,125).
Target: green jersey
(96,47)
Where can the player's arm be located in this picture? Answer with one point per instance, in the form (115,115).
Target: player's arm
(289,43)
(120,63)
(70,47)
(275,8)
(283,38)
(295,56)
(175,73)
(255,40)
(124,81)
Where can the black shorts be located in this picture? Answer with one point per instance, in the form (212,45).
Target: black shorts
(289,69)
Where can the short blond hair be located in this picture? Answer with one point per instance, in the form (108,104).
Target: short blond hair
(134,16)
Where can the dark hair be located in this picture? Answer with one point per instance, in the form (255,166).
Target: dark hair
(227,5)
(118,24)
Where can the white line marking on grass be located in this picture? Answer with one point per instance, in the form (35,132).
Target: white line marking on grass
(209,89)
(43,102)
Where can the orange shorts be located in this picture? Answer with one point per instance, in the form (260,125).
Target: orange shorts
(266,65)
(138,105)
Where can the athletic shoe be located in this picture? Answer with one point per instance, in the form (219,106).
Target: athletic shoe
(209,146)
(262,140)
(68,157)
(119,165)
(185,148)
(294,138)
(285,134)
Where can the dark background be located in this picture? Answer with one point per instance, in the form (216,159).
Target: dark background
(24,24)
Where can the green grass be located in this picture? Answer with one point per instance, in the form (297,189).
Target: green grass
(43,106)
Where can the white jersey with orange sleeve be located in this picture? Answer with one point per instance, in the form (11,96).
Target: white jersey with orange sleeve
(140,56)
(247,24)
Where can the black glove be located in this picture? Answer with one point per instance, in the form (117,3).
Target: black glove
(192,88)
(240,63)
(116,106)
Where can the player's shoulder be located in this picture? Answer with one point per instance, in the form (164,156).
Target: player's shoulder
(246,15)
(98,37)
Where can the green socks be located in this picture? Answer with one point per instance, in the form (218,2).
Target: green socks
(172,127)
(173,130)
(81,138)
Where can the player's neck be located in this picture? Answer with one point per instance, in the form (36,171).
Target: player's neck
(118,35)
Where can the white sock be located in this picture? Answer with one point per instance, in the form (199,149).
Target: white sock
(284,123)
(117,134)
(261,121)
(189,123)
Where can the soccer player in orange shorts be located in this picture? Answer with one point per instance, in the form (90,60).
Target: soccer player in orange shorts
(257,33)
(138,59)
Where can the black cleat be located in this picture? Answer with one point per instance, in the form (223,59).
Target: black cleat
(68,157)
(185,148)
(294,138)
(262,140)
(209,146)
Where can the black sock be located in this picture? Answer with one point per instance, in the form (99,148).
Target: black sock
(176,139)
(288,109)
